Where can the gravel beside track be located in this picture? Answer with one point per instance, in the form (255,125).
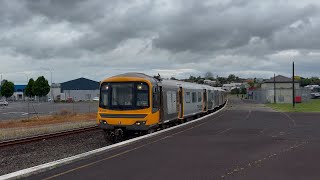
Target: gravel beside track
(23,156)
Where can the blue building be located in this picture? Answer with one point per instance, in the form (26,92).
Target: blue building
(18,92)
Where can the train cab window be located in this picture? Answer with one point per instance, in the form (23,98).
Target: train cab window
(188,98)
(194,97)
(104,95)
(142,95)
(199,97)
(155,101)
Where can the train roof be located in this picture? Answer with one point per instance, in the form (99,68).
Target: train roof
(136,75)
(188,85)
(171,83)
(175,83)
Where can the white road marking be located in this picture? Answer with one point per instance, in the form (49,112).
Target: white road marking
(224,131)
(14,113)
(290,118)
(68,160)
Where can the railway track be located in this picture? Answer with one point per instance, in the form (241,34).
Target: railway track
(46,136)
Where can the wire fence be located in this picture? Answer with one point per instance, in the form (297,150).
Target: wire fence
(27,109)
(279,95)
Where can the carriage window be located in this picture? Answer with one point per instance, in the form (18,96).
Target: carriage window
(188,99)
(194,97)
(199,97)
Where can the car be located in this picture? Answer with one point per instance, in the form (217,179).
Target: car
(315,92)
(95,99)
(3,103)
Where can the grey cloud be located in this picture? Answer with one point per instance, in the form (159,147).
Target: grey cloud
(181,37)
(232,27)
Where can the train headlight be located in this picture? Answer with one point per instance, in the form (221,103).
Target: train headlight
(140,123)
(103,122)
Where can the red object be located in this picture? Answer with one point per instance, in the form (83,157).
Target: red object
(69,100)
(298,99)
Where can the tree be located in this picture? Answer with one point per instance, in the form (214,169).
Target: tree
(222,80)
(29,88)
(243,91)
(7,89)
(232,78)
(41,87)
(173,78)
(235,91)
(208,75)
(251,84)
(309,81)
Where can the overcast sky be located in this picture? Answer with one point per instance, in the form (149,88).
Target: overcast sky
(98,38)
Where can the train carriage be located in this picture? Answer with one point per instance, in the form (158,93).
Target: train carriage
(135,102)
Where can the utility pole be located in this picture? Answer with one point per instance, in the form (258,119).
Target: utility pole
(293,88)
(274,89)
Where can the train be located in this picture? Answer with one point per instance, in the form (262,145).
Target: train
(139,103)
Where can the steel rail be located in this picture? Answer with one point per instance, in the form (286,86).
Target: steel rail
(46,136)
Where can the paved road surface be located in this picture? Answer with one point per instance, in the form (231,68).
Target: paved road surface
(18,110)
(246,141)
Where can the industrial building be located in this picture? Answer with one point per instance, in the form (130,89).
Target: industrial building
(80,89)
(279,89)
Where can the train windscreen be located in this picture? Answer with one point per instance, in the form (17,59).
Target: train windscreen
(124,96)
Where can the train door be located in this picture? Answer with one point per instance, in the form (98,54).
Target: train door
(161,104)
(205,101)
(180,103)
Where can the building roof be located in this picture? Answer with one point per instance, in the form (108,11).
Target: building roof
(80,84)
(280,79)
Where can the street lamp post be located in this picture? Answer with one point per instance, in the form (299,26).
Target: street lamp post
(27,84)
(51,90)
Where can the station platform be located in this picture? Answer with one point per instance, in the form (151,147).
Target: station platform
(244,141)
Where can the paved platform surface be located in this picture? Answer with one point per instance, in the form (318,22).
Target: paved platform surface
(245,141)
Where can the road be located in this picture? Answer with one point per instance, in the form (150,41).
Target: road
(18,110)
(245,141)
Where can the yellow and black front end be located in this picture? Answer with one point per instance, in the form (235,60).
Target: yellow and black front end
(128,103)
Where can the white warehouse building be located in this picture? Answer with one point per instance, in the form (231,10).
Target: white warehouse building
(80,89)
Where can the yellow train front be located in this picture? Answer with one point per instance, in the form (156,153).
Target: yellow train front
(126,104)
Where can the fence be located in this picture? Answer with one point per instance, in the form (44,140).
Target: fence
(28,109)
(282,95)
